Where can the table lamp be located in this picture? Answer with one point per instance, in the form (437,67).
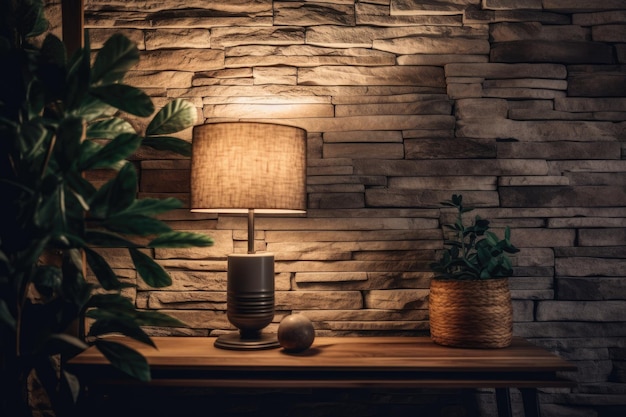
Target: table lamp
(250,168)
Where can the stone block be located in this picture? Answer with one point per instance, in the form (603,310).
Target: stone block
(559,150)
(609,33)
(267,110)
(177,38)
(602,237)
(590,288)
(175,59)
(481,183)
(539,131)
(354,75)
(396,299)
(481,108)
(364,150)
(594,311)
(337,200)
(377,197)
(159,79)
(565,329)
(563,52)
(449,148)
(506,71)
(578,6)
(588,267)
(324,300)
(599,18)
(300,13)
(506,32)
(225,37)
(420,107)
(574,104)
(453,167)
(432,45)
(582,196)
(415,7)
(303,56)
(378,136)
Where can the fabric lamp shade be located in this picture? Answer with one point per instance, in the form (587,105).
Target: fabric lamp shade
(239,166)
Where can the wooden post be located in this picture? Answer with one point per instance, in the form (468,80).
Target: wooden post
(73,24)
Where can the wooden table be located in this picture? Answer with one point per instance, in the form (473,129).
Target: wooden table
(342,362)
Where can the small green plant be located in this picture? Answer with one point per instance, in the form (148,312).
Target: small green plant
(474,252)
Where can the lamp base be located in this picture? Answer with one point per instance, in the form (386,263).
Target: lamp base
(234,341)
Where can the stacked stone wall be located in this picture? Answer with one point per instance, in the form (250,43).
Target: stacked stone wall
(518,105)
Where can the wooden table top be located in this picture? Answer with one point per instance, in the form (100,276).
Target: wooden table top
(341,362)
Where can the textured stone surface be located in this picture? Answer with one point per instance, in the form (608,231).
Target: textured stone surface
(517,104)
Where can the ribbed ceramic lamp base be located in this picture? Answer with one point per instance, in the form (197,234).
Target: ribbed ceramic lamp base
(250,302)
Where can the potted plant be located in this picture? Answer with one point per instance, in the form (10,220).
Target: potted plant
(61,118)
(470,301)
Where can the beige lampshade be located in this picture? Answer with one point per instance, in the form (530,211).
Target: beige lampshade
(237,166)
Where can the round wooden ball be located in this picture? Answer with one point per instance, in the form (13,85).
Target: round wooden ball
(296,333)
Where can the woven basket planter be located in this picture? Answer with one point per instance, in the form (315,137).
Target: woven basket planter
(471,313)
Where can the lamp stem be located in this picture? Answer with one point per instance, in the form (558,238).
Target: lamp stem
(250,230)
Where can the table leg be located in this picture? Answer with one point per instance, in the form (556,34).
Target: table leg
(531,402)
(503,401)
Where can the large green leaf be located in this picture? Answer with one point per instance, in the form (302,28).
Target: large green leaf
(109,128)
(177,115)
(92,108)
(78,79)
(166,143)
(30,18)
(113,152)
(135,224)
(155,318)
(117,56)
(122,325)
(105,239)
(125,359)
(117,194)
(69,138)
(126,98)
(106,304)
(153,206)
(150,272)
(103,271)
(177,239)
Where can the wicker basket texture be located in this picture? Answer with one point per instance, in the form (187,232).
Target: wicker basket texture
(471,313)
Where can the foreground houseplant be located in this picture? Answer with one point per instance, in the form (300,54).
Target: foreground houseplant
(470,301)
(60,119)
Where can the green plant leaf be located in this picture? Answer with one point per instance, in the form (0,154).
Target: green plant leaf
(150,272)
(166,143)
(102,270)
(113,152)
(120,324)
(117,194)
(69,138)
(177,239)
(92,108)
(126,98)
(109,128)
(78,79)
(153,206)
(105,239)
(117,56)
(135,224)
(155,318)
(177,115)
(125,359)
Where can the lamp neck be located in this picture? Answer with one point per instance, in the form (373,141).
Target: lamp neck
(250,230)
